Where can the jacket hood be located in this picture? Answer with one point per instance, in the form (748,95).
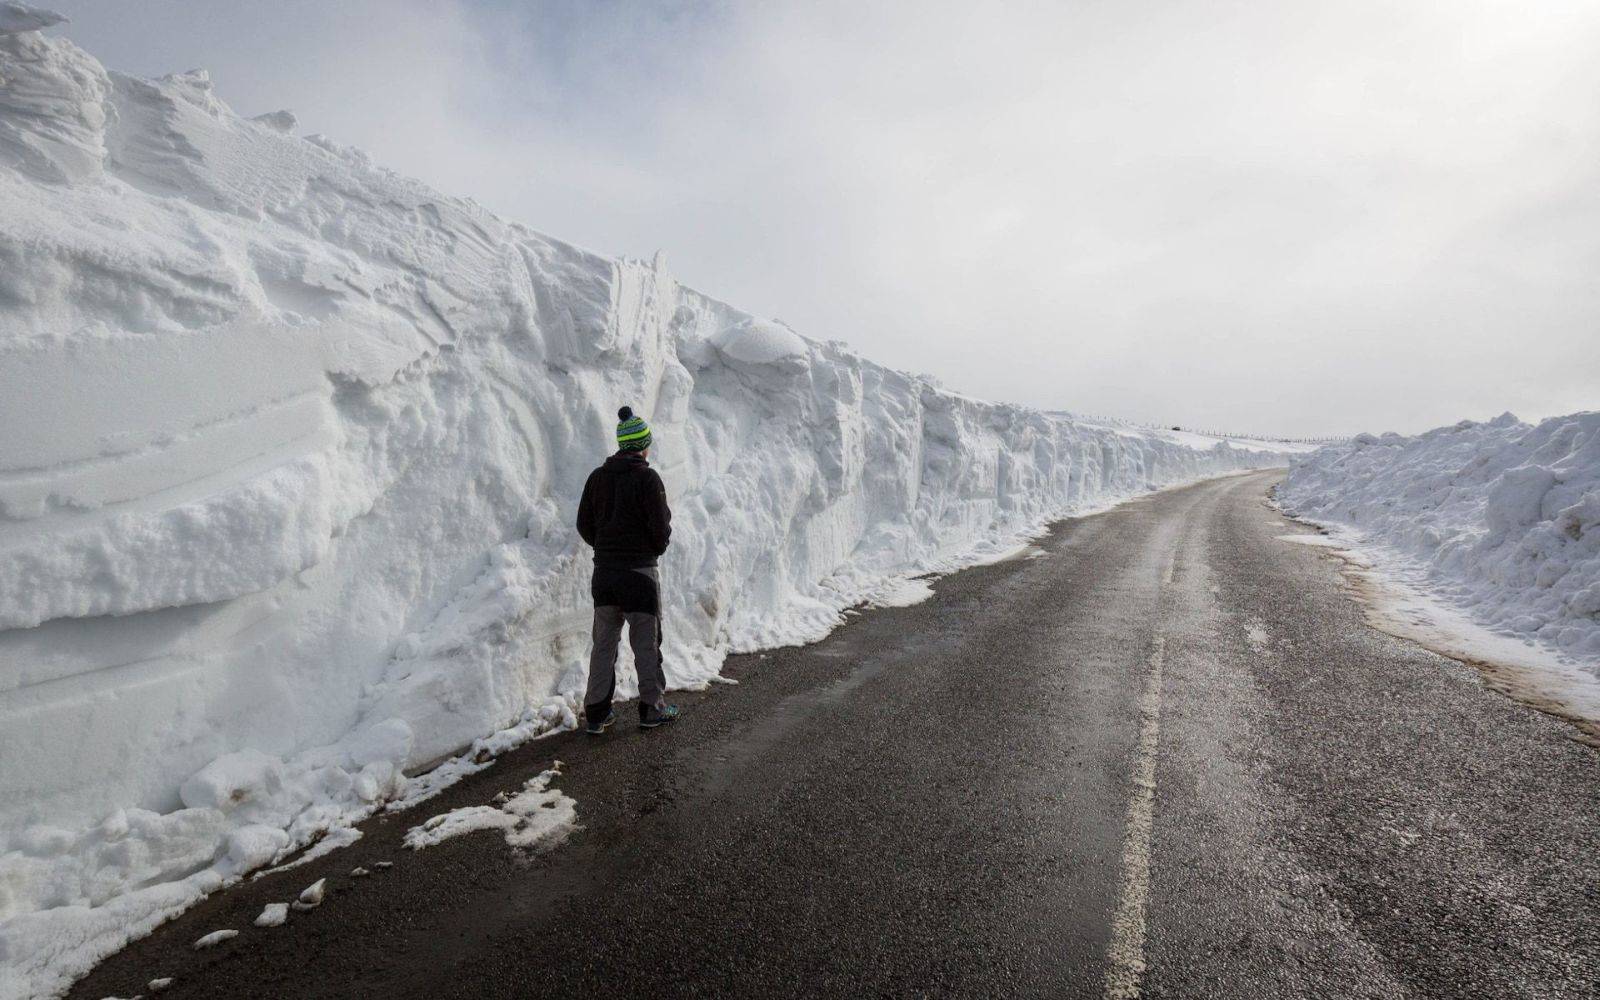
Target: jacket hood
(623,459)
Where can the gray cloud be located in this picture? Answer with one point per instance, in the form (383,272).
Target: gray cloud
(1295,216)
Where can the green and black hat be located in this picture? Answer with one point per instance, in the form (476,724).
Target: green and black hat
(633,434)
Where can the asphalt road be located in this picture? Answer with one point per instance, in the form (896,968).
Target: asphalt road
(1162,757)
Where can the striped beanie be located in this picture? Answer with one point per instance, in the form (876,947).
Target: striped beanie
(633,434)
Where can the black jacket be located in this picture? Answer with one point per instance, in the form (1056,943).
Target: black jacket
(624,514)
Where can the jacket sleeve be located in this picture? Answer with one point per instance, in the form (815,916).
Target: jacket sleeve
(586,512)
(658,516)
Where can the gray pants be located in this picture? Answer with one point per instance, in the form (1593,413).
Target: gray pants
(644,635)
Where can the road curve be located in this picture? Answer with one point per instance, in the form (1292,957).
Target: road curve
(1161,757)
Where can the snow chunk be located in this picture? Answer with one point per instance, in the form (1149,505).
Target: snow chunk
(273,915)
(214,938)
(335,839)
(389,741)
(230,782)
(18,17)
(901,593)
(250,847)
(758,342)
(312,895)
(279,121)
(538,816)
(1315,541)
(53,103)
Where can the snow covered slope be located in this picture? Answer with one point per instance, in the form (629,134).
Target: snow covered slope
(1500,518)
(292,451)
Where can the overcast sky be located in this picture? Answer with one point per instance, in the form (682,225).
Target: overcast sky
(1286,216)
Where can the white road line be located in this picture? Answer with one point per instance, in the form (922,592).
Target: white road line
(1125,956)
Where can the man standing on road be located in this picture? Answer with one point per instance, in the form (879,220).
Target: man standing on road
(624,516)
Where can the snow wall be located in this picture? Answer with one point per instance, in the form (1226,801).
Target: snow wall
(1501,518)
(291,457)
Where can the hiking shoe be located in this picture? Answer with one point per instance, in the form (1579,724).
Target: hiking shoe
(653,717)
(594,727)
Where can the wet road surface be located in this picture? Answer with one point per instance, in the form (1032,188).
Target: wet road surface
(1160,756)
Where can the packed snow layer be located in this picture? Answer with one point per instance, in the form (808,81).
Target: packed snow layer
(292,451)
(1501,519)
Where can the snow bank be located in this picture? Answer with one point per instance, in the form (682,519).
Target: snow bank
(1501,519)
(292,451)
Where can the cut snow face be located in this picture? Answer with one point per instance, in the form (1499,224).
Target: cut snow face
(292,451)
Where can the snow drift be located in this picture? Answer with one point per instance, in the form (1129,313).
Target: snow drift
(1500,518)
(292,452)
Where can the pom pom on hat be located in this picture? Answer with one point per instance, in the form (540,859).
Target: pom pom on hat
(633,434)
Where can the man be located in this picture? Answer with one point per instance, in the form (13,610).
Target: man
(624,516)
